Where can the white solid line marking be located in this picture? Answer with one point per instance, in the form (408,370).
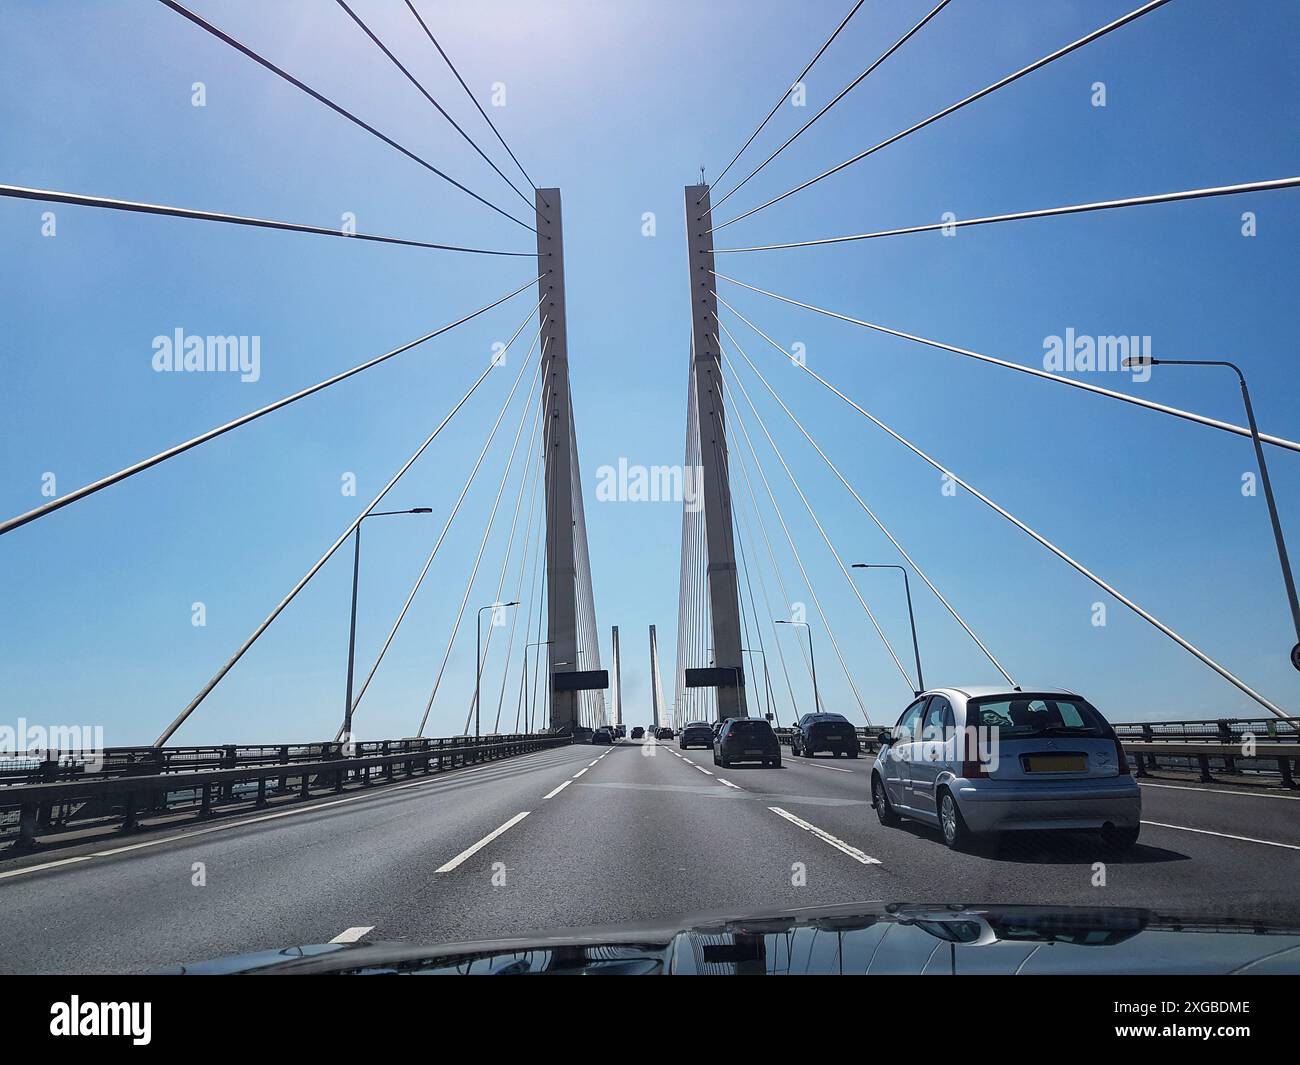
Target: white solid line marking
(594,761)
(818,765)
(351,935)
(1220,791)
(703,770)
(469,852)
(579,772)
(730,784)
(551,794)
(838,844)
(1225,835)
(45,865)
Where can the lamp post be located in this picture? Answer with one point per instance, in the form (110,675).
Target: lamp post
(1283,560)
(907,587)
(535,643)
(478,657)
(812,660)
(352,627)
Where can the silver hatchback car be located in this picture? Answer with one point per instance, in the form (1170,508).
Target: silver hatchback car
(987,760)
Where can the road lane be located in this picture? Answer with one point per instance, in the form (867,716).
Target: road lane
(267,883)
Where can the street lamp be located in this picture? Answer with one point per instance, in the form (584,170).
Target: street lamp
(478,656)
(1283,561)
(352,628)
(535,643)
(916,648)
(812,660)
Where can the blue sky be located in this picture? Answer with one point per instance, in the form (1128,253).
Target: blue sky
(619,104)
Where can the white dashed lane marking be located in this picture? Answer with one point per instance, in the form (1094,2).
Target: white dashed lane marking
(556,791)
(838,844)
(469,852)
(351,935)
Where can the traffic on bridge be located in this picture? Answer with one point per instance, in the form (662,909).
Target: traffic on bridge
(947,624)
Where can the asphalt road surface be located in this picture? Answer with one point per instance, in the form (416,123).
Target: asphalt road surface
(579,836)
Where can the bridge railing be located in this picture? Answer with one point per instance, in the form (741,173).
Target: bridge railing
(1264,747)
(64,791)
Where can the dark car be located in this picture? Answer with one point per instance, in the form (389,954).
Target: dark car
(638,733)
(746,739)
(695,734)
(663,732)
(604,734)
(620,731)
(824,732)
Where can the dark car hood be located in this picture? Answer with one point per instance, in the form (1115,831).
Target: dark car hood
(858,938)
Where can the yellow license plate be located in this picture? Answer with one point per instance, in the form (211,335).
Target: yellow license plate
(1055,763)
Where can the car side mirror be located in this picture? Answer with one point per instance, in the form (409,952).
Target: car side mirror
(884,738)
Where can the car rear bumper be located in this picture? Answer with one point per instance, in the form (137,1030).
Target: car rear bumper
(735,754)
(989,807)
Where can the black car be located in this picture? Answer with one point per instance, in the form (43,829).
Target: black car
(746,739)
(663,732)
(638,732)
(604,734)
(695,734)
(824,732)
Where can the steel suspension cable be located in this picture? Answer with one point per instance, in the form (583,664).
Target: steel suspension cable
(767,607)
(514,614)
(780,581)
(177,449)
(870,513)
(478,558)
(426,94)
(23,192)
(492,125)
(839,96)
(798,78)
(524,482)
(1124,20)
(1105,586)
(261,60)
(1046,212)
(1047,375)
(848,577)
(293,592)
(794,550)
(451,517)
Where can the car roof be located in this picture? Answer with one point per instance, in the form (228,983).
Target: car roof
(982,691)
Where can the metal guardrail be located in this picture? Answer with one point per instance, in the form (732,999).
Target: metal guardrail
(1203,746)
(178,780)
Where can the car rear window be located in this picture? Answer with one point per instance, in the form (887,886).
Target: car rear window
(751,728)
(836,719)
(1039,715)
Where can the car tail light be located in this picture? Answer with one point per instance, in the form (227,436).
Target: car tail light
(974,770)
(1120,760)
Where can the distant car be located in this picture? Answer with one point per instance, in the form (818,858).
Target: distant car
(620,731)
(581,734)
(746,739)
(695,734)
(663,732)
(604,734)
(638,733)
(987,760)
(824,732)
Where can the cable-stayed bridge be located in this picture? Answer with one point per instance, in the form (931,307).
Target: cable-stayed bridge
(331,834)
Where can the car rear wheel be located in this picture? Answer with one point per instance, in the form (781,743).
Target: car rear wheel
(776,764)
(1120,839)
(955,833)
(853,754)
(880,801)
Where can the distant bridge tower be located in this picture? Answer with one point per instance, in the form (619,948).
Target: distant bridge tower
(617,680)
